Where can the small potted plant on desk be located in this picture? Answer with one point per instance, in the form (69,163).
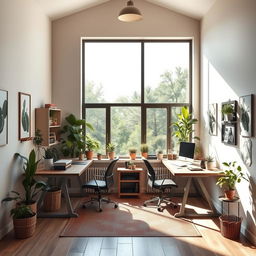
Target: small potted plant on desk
(209,162)
(99,156)
(133,152)
(91,144)
(111,151)
(160,155)
(144,150)
(50,155)
(31,186)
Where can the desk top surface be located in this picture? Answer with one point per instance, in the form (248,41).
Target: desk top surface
(184,171)
(75,169)
(120,169)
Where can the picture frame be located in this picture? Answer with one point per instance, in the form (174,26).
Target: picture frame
(24,116)
(3,117)
(246,115)
(213,119)
(229,133)
(232,117)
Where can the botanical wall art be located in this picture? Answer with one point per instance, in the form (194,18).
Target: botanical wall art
(229,111)
(246,150)
(24,116)
(3,117)
(246,108)
(212,118)
(229,133)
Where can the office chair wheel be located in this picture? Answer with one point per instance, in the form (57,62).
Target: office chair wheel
(160,209)
(144,205)
(83,206)
(100,210)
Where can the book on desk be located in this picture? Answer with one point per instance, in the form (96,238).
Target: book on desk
(62,164)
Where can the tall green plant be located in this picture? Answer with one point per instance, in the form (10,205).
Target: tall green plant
(74,141)
(91,144)
(183,127)
(31,186)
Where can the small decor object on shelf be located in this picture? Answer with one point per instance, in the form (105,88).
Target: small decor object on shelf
(99,156)
(3,117)
(50,105)
(229,133)
(210,162)
(246,114)
(111,150)
(24,116)
(213,119)
(246,150)
(160,155)
(144,150)
(131,165)
(133,152)
(232,175)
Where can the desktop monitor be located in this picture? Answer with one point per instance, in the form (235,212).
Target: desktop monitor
(187,149)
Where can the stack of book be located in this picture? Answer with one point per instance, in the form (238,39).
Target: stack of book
(62,164)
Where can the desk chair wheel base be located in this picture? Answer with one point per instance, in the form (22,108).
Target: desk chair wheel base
(116,205)
(160,209)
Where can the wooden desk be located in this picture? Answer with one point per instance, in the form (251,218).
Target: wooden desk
(129,176)
(62,180)
(198,175)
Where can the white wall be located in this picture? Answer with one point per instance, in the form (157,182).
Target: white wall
(228,55)
(25,66)
(101,21)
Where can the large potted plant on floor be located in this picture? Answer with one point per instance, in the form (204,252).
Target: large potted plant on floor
(91,144)
(31,186)
(111,151)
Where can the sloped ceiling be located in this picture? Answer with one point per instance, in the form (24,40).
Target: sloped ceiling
(59,8)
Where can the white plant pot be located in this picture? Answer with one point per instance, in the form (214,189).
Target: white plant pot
(160,156)
(210,165)
(48,163)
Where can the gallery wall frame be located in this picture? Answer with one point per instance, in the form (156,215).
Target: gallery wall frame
(3,117)
(24,116)
(213,119)
(246,114)
(229,133)
(233,118)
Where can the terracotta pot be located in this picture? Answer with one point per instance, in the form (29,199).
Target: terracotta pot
(89,155)
(111,155)
(230,226)
(24,228)
(210,165)
(48,163)
(52,200)
(81,156)
(230,194)
(32,206)
(133,156)
(144,154)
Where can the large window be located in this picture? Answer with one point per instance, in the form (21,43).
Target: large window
(133,89)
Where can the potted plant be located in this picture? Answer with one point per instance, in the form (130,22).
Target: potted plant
(133,152)
(183,127)
(227,111)
(90,145)
(144,150)
(209,162)
(131,165)
(73,142)
(31,186)
(52,199)
(111,151)
(160,155)
(99,156)
(24,221)
(50,155)
(232,175)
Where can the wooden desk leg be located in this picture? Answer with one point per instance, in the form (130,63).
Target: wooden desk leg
(181,213)
(82,194)
(207,197)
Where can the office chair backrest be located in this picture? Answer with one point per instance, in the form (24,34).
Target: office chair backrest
(151,171)
(109,173)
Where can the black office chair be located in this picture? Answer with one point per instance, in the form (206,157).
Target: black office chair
(159,184)
(102,185)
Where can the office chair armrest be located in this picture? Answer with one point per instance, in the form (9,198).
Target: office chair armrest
(162,184)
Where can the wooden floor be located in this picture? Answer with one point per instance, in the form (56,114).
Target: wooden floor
(46,242)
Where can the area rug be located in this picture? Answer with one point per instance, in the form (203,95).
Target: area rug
(129,219)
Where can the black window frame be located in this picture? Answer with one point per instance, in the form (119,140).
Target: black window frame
(142,104)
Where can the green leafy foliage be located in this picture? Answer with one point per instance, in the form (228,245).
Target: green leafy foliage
(22,212)
(75,140)
(25,117)
(31,186)
(111,147)
(227,109)
(132,150)
(91,144)
(232,175)
(3,115)
(51,153)
(183,127)
(144,148)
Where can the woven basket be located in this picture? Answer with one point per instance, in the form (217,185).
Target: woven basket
(24,228)
(230,226)
(52,201)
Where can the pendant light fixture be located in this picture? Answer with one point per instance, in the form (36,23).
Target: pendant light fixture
(130,13)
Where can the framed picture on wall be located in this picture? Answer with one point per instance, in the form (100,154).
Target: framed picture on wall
(24,116)
(229,133)
(246,115)
(3,117)
(212,119)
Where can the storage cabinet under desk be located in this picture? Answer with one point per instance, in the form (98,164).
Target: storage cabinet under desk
(129,182)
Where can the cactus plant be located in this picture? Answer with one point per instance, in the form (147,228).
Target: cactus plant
(3,115)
